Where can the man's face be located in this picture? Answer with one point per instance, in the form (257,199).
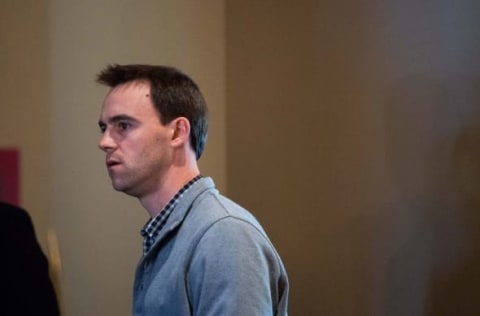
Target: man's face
(136,144)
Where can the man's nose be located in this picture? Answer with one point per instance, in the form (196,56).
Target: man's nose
(106,142)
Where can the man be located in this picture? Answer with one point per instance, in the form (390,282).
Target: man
(203,254)
(25,287)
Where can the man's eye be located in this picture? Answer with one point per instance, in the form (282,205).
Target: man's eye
(123,125)
(102,128)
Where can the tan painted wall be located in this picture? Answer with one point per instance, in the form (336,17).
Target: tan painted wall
(50,52)
(98,229)
(353,134)
(24,111)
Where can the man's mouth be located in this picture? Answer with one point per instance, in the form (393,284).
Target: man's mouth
(111,163)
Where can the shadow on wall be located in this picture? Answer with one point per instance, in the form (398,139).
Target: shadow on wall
(428,255)
(455,288)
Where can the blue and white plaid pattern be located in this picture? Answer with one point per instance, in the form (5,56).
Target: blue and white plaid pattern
(154,225)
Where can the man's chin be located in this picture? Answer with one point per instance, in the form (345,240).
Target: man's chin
(120,187)
(124,188)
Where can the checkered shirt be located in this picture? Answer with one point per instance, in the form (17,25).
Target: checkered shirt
(154,225)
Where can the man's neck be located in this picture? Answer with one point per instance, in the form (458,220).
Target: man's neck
(171,184)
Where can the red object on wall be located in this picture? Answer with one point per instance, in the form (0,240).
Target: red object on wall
(10,176)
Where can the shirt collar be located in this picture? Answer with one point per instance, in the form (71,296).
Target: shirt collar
(154,225)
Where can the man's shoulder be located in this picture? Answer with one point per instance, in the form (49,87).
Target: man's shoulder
(9,212)
(212,207)
(204,205)
(210,200)
(15,225)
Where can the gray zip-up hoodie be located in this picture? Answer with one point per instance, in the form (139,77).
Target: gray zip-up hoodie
(211,258)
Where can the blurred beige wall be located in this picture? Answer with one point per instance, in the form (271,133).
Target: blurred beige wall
(353,134)
(50,52)
(98,229)
(24,108)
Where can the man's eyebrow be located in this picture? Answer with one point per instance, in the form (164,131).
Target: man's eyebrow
(116,118)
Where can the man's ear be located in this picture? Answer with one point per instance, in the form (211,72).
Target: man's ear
(181,131)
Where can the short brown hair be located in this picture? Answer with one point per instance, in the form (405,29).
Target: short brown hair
(173,93)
